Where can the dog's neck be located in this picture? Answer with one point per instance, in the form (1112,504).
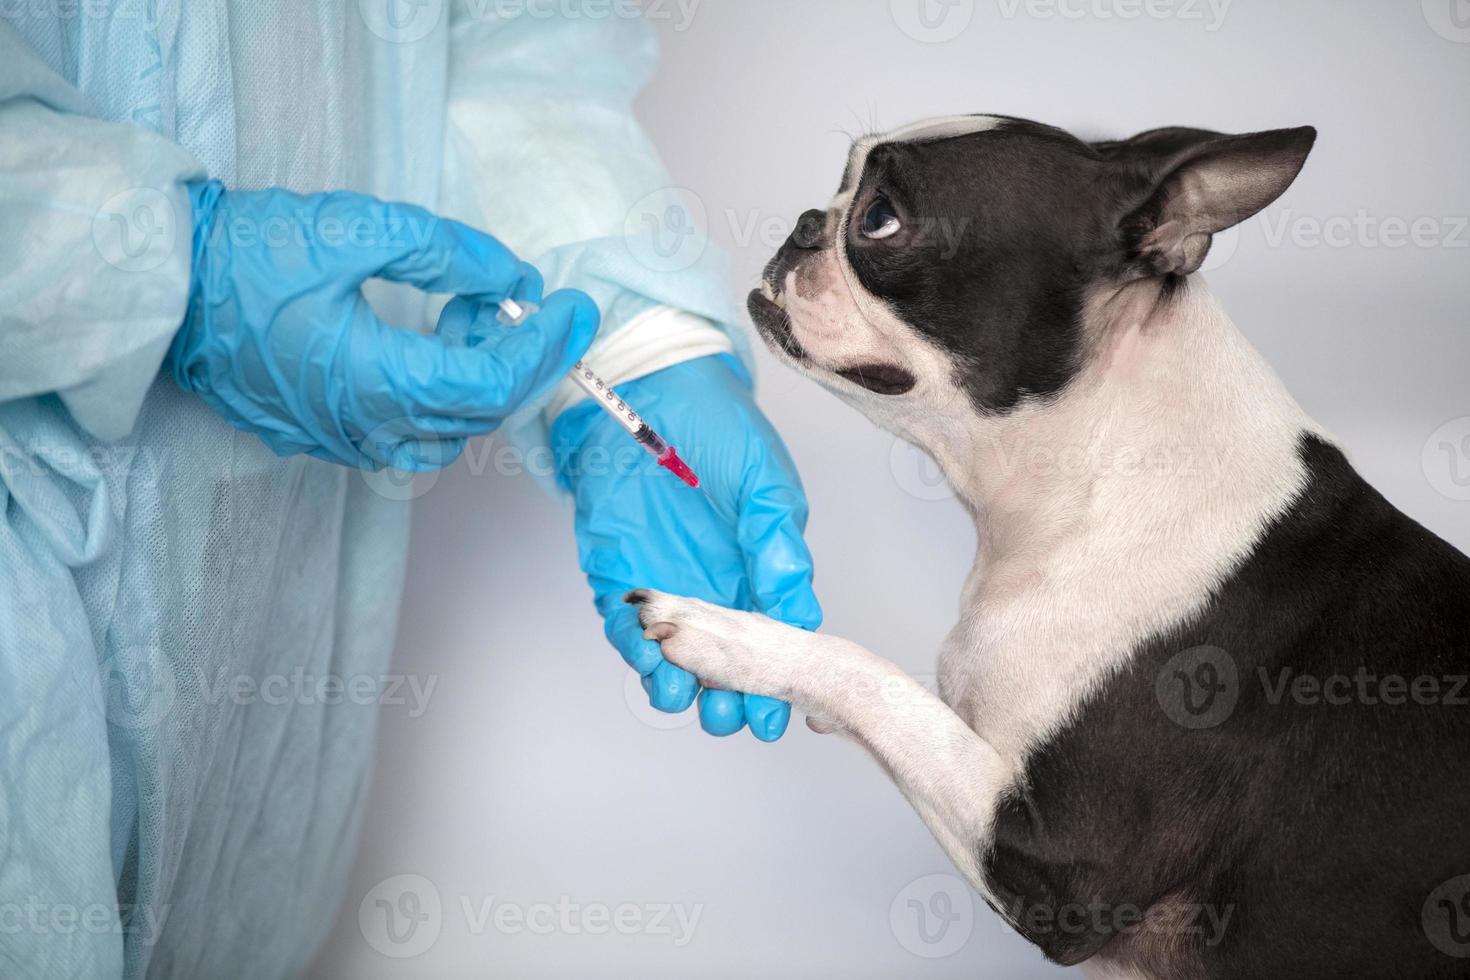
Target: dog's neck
(1113,512)
(1174,435)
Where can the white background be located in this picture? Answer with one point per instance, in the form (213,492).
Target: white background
(535,777)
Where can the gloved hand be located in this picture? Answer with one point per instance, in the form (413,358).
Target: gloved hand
(637,525)
(280,341)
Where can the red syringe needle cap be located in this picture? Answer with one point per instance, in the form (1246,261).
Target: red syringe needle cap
(670,461)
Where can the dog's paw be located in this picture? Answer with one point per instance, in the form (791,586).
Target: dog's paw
(724,648)
(824,727)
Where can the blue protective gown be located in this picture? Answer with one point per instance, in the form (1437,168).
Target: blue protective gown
(170,587)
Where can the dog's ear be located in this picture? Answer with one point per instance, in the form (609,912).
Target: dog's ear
(1200,184)
(1155,143)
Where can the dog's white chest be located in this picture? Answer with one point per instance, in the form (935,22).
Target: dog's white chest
(1034,643)
(1014,674)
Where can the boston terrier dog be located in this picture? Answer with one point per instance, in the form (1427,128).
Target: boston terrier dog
(1204,712)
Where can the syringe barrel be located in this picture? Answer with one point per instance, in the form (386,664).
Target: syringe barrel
(602,393)
(514,314)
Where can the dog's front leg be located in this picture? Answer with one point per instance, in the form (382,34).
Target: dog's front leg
(951,776)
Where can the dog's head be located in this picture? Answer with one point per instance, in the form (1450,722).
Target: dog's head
(968,255)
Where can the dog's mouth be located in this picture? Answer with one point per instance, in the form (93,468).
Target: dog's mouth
(774,325)
(882,379)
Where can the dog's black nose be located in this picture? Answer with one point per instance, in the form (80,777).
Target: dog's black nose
(809,229)
(808,235)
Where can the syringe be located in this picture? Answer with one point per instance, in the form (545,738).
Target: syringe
(513,314)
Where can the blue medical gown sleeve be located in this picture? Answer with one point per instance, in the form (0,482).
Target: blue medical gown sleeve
(86,314)
(94,262)
(544,151)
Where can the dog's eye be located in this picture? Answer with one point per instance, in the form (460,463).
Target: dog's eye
(881,220)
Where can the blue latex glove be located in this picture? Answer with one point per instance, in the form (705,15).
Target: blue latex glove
(280,341)
(638,525)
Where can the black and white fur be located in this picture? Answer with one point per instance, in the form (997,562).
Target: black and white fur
(1021,304)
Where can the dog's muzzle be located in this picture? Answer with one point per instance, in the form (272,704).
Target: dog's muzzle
(809,235)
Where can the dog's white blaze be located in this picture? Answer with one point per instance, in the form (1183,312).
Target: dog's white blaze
(942,127)
(852,325)
(934,128)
